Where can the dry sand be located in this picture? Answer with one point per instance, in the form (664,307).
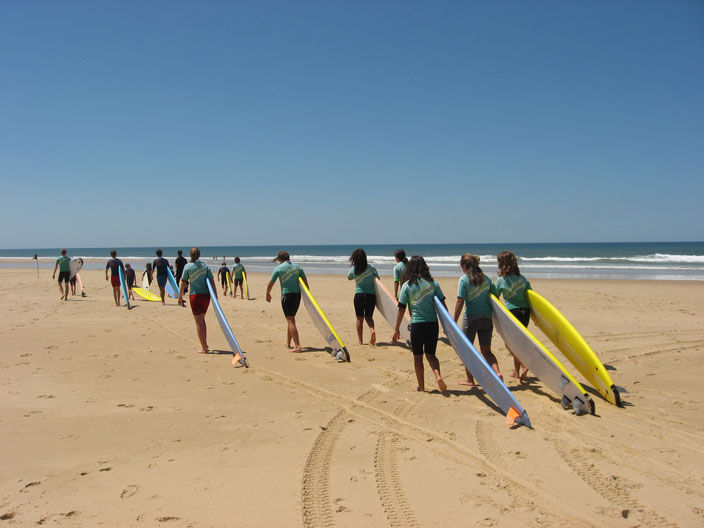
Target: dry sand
(110,418)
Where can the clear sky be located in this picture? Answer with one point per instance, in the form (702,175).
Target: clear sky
(128,123)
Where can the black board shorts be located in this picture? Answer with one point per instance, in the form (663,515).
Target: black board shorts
(424,338)
(64,276)
(480,325)
(290,303)
(364,304)
(522,314)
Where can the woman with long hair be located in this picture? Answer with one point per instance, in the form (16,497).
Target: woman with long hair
(195,277)
(473,293)
(417,293)
(513,286)
(399,269)
(288,274)
(363,275)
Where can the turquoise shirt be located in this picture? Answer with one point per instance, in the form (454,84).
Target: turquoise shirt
(476,298)
(237,270)
(514,289)
(365,280)
(63,263)
(288,274)
(196,273)
(419,297)
(399,270)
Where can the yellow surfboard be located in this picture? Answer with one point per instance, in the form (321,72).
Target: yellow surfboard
(146,294)
(566,338)
(321,322)
(244,284)
(229,281)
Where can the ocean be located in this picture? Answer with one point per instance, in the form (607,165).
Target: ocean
(627,260)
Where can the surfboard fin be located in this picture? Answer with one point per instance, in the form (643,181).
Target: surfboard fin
(238,358)
(511,416)
(565,402)
(578,406)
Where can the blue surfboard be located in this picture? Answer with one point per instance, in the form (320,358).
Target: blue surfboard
(171,286)
(123,283)
(237,353)
(482,372)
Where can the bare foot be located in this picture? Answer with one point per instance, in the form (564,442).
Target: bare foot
(419,389)
(295,350)
(514,374)
(467,383)
(372,339)
(523,376)
(288,346)
(442,385)
(203,351)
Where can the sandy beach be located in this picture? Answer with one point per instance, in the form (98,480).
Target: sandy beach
(110,417)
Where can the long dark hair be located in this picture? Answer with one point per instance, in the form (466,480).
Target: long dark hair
(401,256)
(470,265)
(417,269)
(508,264)
(358,258)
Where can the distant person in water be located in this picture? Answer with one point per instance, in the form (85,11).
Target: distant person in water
(473,293)
(513,286)
(399,269)
(288,275)
(223,272)
(63,265)
(238,272)
(114,265)
(180,264)
(195,277)
(418,294)
(149,272)
(161,266)
(363,275)
(130,277)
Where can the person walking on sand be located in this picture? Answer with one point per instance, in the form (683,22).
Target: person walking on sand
(161,266)
(180,264)
(195,277)
(63,265)
(363,275)
(513,286)
(149,272)
(238,272)
(114,265)
(418,293)
(288,275)
(130,277)
(223,272)
(399,269)
(473,293)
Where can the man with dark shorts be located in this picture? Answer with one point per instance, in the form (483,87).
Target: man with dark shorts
(288,275)
(62,263)
(223,272)
(161,265)
(114,265)
(180,264)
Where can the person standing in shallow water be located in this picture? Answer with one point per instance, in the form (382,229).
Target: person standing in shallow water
(288,274)
(418,293)
(364,294)
(195,277)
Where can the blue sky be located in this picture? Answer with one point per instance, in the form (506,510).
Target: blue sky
(239,123)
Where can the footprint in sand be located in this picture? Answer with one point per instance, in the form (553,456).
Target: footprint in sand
(129,491)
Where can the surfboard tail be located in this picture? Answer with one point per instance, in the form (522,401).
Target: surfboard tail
(515,417)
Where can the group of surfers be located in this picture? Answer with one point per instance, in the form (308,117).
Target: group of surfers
(414,290)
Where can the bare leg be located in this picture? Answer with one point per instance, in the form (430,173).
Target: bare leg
(372,338)
(491,359)
(61,289)
(470,379)
(162,292)
(435,366)
(116,295)
(360,329)
(202,330)
(420,372)
(293,333)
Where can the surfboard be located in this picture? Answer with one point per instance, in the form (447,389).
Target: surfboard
(145,282)
(123,283)
(237,354)
(482,372)
(229,280)
(146,294)
(321,322)
(388,308)
(171,286)
(566,338)
(79,285)
(75,266)
(539,359)
(244,284)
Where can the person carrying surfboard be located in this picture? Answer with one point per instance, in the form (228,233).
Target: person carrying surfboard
(114,265)
(418,292)
(149,272)
(180,264)
(473,293)
(399,269)
(62,263)
(288,273)
(161,266)
(513,286)
(223,272)
(195,277)
(130,277)
(237,278)
(363,275)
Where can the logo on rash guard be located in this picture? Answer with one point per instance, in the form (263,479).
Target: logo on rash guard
(421,294)
(359,278)
(197,273)
(286,275)
(513,289)
(477,291)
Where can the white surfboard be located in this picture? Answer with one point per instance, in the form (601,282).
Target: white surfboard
(237,354)
(75,266)
(388,308)
(321,322)
(145,282)
(539,360)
